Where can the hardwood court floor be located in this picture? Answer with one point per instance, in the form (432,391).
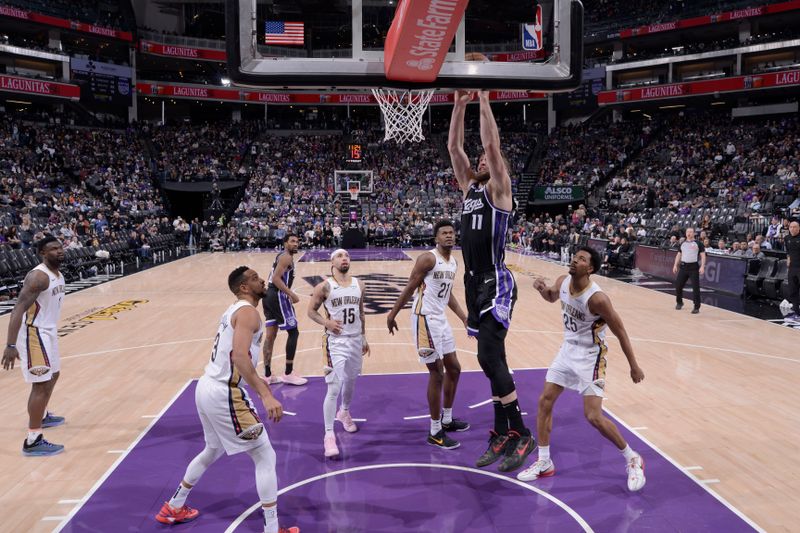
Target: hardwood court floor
(720,391)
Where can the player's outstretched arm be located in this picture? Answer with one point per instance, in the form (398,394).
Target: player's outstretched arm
(500,180)
(246,322)
(35,282)
(422,266)
(548,293)
(600,304)
(455,142)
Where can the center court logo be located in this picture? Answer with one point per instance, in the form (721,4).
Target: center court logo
(94,315)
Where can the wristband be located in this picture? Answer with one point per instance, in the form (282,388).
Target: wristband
(11,345)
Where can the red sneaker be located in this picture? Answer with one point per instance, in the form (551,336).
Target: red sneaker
(293,529)
(170,515)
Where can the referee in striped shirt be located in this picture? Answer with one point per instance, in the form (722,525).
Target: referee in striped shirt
(689,263)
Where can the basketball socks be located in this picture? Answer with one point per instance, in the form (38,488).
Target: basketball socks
(33,434)
(178,499)
(514,416)
(329,404)
(627,452)
(447,415)
(436,426)
(500,418)
(270,519)
(289,367)
(544,453)
(268,370)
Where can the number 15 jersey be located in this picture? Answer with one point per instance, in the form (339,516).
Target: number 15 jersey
(344,305)
(432,296)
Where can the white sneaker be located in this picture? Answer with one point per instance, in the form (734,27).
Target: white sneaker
(273,380)
(344,417)
(291,379)
(538,469)
(330,445)
(636,479)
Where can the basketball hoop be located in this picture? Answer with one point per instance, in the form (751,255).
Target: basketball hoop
(402,110)
(354,189)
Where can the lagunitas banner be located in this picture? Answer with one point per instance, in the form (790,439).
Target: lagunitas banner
(677,90)
(723,272)
(206,92)
(557,194)
(30,16)
(736,14)
(39,87)
(182,52)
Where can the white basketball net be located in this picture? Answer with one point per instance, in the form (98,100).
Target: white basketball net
(402,112)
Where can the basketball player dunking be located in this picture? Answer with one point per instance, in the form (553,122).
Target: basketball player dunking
(230,422)
(36,344)
(343,343)
(279,312)
(489,285)
(432,278)
(581,362)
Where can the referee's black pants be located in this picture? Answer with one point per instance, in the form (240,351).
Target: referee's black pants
(793,278)
(688,271)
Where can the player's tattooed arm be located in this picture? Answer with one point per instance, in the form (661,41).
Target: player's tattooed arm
(35,282)
(321,291)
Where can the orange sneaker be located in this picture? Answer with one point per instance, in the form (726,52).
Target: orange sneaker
(170,515)
(293,529)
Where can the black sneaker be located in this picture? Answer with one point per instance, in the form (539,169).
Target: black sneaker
(456,425)
(496,449)
(441,440)
(679,306)
(518,449)
(695,310)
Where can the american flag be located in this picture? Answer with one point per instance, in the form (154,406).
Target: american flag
(279,32)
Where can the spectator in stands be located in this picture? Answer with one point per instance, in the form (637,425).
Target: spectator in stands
(755,252)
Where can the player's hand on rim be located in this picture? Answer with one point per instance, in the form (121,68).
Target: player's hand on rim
(10,354)
(463,96)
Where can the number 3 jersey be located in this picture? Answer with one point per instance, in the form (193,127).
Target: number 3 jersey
(343,304)
(581,327)
(221,367)
(432,296)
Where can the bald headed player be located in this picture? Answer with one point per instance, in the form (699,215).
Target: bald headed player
(581,362)
(490,287)
(230,422)
(344,343)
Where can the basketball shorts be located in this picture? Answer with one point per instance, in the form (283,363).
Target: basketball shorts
(343,357)
(434,337)
(38,353)
(278,310)
(580,368)
(229,418)
(493,291)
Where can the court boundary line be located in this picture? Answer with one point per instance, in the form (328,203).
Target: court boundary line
(121,458)
(569,510)
(683,470)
